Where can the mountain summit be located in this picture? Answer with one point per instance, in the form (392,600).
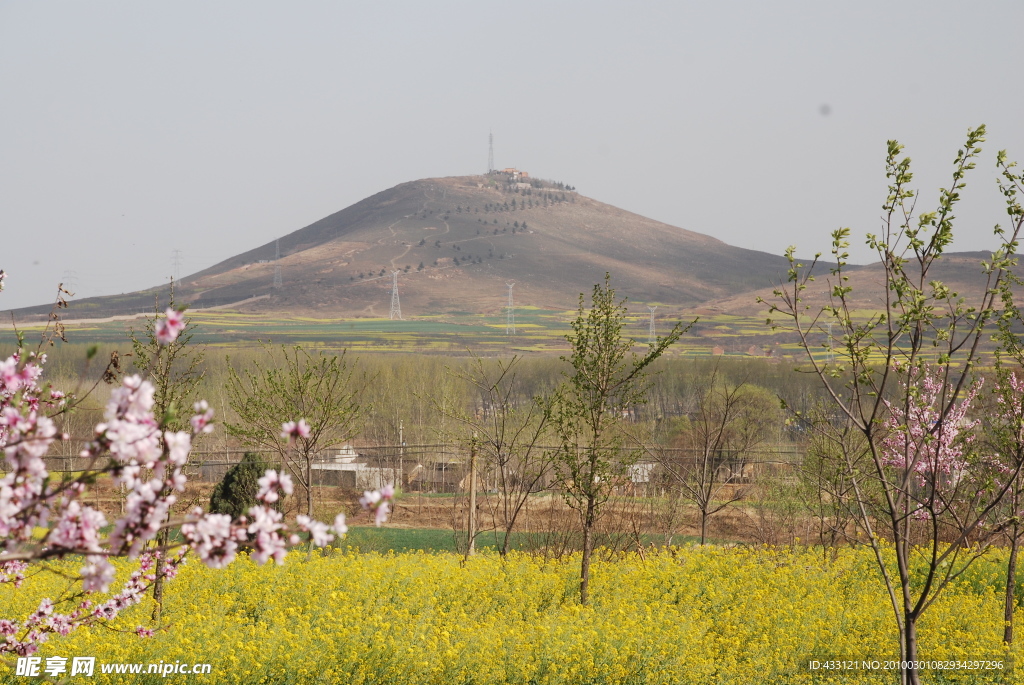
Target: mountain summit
(456,243)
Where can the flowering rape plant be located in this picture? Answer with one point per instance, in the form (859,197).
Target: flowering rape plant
(140,454)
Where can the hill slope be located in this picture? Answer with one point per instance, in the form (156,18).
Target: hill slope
(457,242)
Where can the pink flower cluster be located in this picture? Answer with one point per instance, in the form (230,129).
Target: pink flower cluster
(924,440)
(170,327)
(135,449)
(378,502)
(292,430)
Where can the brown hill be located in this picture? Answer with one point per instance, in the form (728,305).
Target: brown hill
(457,242)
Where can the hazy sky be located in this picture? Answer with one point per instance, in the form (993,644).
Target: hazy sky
(132,129)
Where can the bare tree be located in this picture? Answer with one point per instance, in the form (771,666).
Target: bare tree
(727,424)
(510,429)
(835,450)
(318,388)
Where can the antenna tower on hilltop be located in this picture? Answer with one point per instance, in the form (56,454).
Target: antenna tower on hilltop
(490,153)
(651,337)
(396,308)
(510,319)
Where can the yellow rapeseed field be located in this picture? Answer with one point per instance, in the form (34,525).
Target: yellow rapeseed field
(686,615)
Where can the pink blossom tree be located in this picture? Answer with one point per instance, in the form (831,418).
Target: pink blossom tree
(902,377)
(136,450)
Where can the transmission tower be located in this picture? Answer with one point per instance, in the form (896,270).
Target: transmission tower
(176,264)
(490,153)
(277,276)
(70,281)
(651,337)
(396,308)
(510,320)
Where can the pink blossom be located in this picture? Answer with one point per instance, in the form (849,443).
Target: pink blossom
(97,574)
(178,446)
(292,430)
(3,275)
(317,530)
(168,328)
(78,528)
(267,543)
(270,483)
(339,525)
(212,538)
(378,501)
(201,420)
(13,572)
(143,632)
(922,439)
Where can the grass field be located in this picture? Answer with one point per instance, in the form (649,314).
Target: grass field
(536,331)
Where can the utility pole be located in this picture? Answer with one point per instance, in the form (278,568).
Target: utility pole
(471,548)
(401,454)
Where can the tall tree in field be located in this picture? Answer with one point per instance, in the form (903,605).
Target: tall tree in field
(175,367)
(902,376)
(607,378)
(727,424)
(512,432)
(319,388)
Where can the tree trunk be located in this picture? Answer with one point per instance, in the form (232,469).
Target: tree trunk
(309,487)
(588,548)
(910,676)
(158,582)
(1011,585)
(703,525)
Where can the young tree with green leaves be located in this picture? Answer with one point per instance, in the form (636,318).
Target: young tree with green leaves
(607,378)
(317,389)
(903,377)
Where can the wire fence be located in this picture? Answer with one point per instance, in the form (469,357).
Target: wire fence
(444,468)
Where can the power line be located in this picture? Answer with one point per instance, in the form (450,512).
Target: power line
(396,308)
